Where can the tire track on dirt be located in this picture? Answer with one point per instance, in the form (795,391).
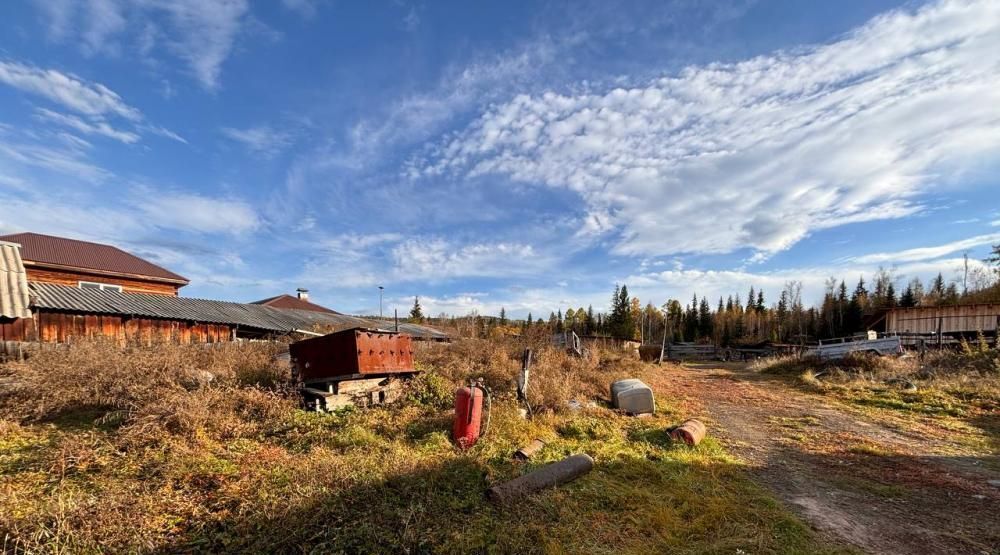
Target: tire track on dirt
(856,481)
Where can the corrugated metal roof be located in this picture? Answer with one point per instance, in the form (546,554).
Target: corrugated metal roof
(46,249)
(416,330)
(95,301)
(13,283)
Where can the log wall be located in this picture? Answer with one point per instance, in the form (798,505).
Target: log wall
(73,279)
(55,327)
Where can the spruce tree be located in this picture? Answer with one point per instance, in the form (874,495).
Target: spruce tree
(908,299)
(416,313)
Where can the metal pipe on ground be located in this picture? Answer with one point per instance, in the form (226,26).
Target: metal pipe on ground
(690,432)
(550,475)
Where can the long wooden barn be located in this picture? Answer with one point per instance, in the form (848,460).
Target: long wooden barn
(957,320)
(57,290)
(61,313)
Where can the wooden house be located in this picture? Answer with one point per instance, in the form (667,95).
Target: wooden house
(49,259)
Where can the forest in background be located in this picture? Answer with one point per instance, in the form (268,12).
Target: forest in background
(739,320)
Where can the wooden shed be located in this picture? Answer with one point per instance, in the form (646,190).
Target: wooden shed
(965,320)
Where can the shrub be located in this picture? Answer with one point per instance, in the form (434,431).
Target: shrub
(99,375)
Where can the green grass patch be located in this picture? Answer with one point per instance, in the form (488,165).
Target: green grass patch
(389,480)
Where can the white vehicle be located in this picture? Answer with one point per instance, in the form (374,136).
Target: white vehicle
(831,349)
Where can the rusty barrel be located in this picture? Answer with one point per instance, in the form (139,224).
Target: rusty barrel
(552,474)
(690,432)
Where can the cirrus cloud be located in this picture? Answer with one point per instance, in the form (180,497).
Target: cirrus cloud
(759,153)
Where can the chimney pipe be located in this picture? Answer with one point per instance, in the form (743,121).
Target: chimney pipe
(303,294)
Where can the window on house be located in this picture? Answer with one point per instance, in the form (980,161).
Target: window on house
(101,286)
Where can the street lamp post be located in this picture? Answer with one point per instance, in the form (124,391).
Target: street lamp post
(380,288)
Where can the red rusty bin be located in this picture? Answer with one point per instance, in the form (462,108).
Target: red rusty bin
(357,351)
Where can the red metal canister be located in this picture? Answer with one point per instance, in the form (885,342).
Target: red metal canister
(468,416)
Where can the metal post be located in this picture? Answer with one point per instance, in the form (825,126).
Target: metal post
(380,288)
(940,320)
(395,318)
(663,344)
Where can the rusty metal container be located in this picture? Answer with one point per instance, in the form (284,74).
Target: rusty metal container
(353,352)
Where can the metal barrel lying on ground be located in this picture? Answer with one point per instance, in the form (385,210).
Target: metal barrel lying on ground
(550,475)
(690,432)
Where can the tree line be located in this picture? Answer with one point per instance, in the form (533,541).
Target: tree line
(752,318)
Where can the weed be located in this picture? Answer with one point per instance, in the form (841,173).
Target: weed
(181,449)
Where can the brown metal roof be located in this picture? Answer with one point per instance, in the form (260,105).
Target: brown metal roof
(290,302)
(59,251)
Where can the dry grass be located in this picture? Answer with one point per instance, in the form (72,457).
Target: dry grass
(958,391)
(135,450)
(555,378)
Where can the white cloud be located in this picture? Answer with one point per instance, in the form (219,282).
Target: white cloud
(261,139)
(928,253)
(436,259)
(196,213)
(758,154)
(96,128)
(164,132)
(91,99)
(205,32)
(68,162)
(199,32)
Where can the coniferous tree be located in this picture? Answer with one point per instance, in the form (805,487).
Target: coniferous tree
(994,258)
(416,313)
(760,301)
(937,291)
(890,296)
(503,316)
(908,299)
(704,319)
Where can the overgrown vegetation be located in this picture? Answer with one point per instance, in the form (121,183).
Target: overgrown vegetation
(170,449)
(958,383)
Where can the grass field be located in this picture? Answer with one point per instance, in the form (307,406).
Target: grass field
(139,451)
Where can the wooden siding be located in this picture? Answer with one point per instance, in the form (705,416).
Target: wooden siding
(967,319)
(73,279)
(55,327)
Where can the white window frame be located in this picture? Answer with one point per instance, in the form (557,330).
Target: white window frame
(101,286)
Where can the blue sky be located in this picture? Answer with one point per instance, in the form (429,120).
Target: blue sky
(519,154)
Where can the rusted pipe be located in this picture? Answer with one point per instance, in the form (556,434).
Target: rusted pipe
(529,450)
(690,432)
(550,475)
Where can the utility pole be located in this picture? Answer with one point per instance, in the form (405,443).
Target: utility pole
(965,276)
(380,288)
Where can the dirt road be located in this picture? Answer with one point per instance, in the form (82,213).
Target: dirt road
(872,482)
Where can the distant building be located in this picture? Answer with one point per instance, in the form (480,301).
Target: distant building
(87,265)
(298,302)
